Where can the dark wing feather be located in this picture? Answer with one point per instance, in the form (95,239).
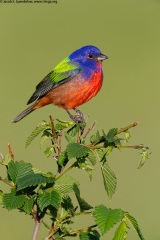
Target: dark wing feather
(48,83)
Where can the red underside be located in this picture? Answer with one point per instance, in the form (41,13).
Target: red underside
(74,93)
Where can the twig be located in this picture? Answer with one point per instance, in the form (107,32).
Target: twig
(89,129)
(11,152)
(2,156)
(8,183)
(53,230)
(37,222)
(135,147)
(53,130)
(77,231)
(126,128)
(59,144)
(68,169)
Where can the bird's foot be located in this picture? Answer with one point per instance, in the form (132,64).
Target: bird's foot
(76,118)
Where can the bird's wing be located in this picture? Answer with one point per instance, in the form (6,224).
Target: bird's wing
(62,73)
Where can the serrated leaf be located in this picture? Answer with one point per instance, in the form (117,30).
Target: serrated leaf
(1,197)
(28,205)
(67,204)
(94,139)
(127,136)
(91,157)
(110,135)
(89,236)
(40,128)
(144,157)
(106,218)
(65,184)
(52,198)
(76,150)
(82,203)
(121,232)
(109,179)
(13,201)
(44,138)
(63,124)
(48,151)
(18,170)
(69,138)
(32,179)
(134,223)
(62,158)
(84,206)
(73,130)
(6,160)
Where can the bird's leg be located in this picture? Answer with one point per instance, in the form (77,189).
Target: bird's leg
(79,114)
(76,118)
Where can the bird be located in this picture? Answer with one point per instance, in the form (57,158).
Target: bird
(73,82)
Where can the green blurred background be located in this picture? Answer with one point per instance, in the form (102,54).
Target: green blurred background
(33,39)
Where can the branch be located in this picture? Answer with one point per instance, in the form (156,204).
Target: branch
(128,127)
(77,231)
(37,222)
(11,152)
(68,169)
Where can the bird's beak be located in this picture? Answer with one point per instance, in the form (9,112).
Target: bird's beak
(101,57)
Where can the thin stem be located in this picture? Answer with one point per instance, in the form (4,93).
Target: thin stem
(2,156)
(6,182)
(89,129)
(11,152)
(36,229)
(53,129)
(135,147)
(68,169)
(77,231)
(37,222)
(53,230)
(128,127)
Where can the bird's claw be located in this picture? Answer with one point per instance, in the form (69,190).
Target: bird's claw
(78,117)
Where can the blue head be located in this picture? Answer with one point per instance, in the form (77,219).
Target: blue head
(88,57)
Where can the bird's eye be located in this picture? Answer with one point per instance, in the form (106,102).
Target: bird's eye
(90,56)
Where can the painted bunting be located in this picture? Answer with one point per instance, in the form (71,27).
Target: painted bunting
(74,81)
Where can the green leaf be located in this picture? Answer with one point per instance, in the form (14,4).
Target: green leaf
(94,235)
(28,205)
(106,218)
(40,128)
(46,134)
(144,157)
(76,150)
(32,179)
(48,151)
(63,124)
(13,201)
(73,130)
(92,157)
(18,170)
(82,203)
(65,184)
(52,198)
(67,204)
(121,232)
(94,139)
(1,197)
(62,158)
(109,179)
(134,223)
(69,138)
(110,135)
(84,206)
(6,160)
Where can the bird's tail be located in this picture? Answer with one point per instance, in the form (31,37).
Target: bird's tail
(24,113)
